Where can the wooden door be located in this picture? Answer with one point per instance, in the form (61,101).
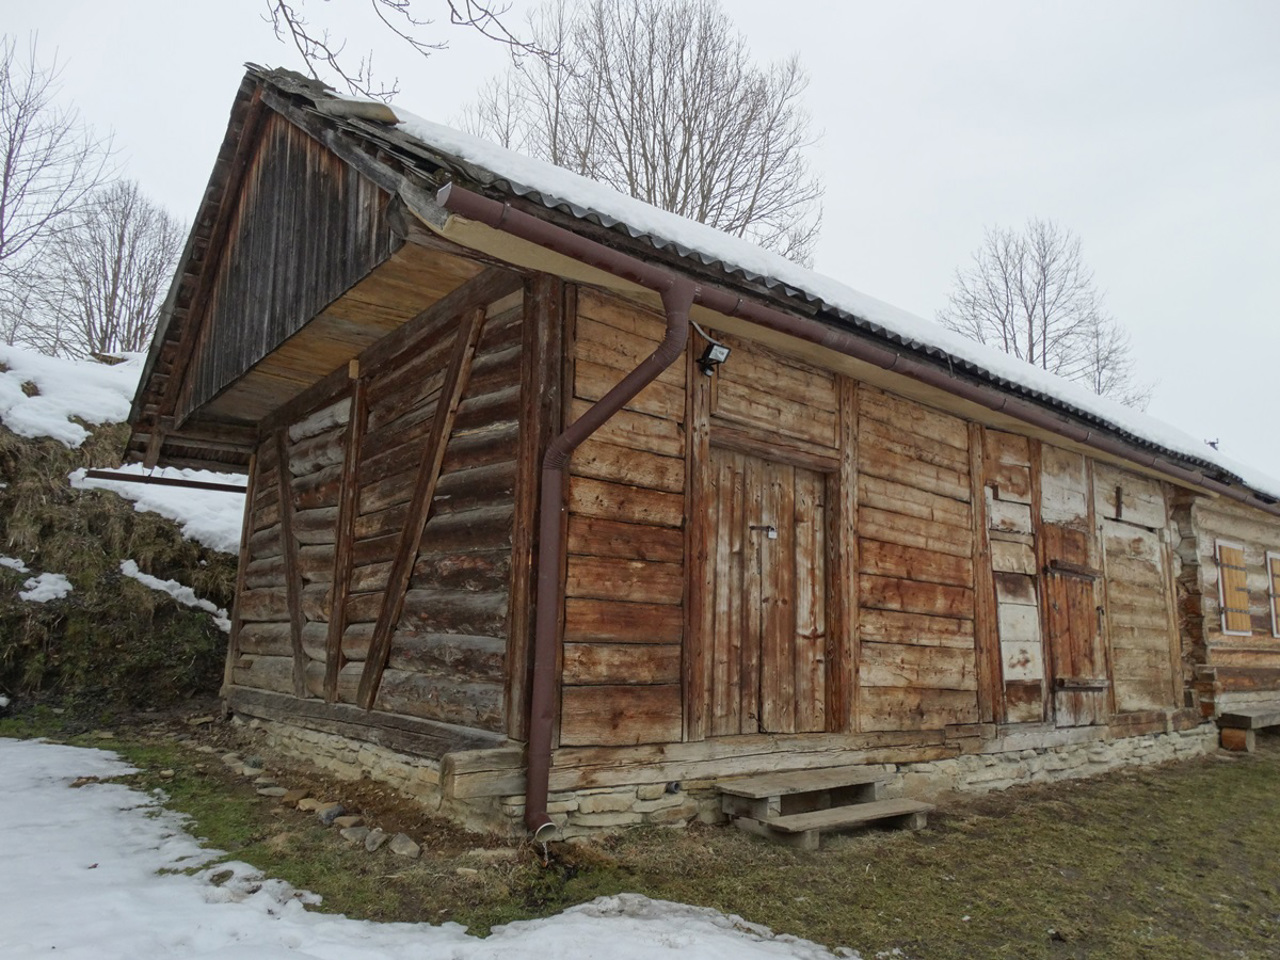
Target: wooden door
(1074,619)
(767,554)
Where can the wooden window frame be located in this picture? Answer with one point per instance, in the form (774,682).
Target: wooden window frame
(1273,596)
(1222,596)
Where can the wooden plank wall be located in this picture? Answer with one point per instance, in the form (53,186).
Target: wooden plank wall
(916,585)
(446,658)
(1236,669)
(624,592)
(306,227)
(1133,516)
(1012,518)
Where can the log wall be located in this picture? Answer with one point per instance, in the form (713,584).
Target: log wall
(625,572)
(1226,669)
(379,560)
(918,668)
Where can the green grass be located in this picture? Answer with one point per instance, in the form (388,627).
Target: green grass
(1174,862)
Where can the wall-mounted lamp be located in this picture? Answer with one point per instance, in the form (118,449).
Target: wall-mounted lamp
(712,357)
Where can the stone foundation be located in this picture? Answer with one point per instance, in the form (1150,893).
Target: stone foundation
(996,765)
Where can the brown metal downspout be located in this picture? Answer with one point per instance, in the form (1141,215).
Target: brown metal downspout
(678,291)
(678,294)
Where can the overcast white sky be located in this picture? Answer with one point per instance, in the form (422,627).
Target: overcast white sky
(1151,129)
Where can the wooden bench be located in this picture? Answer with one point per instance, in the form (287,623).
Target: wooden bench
(1236,727)
(797,807)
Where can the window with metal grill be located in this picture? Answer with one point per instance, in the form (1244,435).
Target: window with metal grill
(1233,590)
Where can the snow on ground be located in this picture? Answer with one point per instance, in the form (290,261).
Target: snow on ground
(210,517)
(78,879)
(14,564)
(45,587)
(178,591)
(93,392)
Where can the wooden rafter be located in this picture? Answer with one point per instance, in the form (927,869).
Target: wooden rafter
(459,369)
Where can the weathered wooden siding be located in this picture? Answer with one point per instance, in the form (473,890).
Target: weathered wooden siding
(1226,669)
(1133,521)
(351,471)
(918,666)
(306,227)
(624,588)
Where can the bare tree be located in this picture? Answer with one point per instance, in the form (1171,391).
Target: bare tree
(49,163)
(662,101)
(107,275)
(1030,294)
(403,19)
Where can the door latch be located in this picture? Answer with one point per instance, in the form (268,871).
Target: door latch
(769,531)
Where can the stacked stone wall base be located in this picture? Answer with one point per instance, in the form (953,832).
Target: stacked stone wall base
(586,812)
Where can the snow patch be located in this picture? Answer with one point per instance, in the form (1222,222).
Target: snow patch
(14,564)
(210,517)
(100,848)
(45,587)
(93,392)
(183,594)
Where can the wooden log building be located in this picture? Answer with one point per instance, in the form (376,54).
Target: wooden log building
(840,546)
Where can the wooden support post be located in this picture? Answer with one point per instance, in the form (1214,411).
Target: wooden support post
(348,504)
(1049,705)
(843,635)
(246,530)
(985,624)
(1233,738)
(292,578)
(540,406)
(459,370)
(699,601)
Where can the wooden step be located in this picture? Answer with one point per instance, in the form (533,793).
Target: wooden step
(852,816)
(1251,718)
(799,781)
(804,830)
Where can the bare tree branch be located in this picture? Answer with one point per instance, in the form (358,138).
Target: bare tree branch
(662,100)
(107,275)
(49,164)
(1031,295)
(321,53)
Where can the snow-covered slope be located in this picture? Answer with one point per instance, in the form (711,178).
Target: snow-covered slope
(45,397)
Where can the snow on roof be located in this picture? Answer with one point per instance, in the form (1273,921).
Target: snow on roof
(586,199)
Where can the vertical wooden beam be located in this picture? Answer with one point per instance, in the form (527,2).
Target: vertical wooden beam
(986,631)
(569,390)
(1049,706)
(292,578)
(1101,591)
(455,382)
(246,531)
(348,502)
(697,648)
(843,635)
(540,419)
(1171,602)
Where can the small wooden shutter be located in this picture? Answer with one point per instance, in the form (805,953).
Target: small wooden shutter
(1273,577)
(1233,591)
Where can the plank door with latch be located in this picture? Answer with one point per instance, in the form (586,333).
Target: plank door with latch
(1074,621)
(767,553)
